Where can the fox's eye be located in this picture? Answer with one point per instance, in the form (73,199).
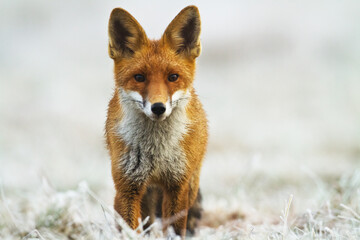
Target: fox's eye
(139,78)
(173,77)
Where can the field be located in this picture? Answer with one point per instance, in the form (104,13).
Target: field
(280,83)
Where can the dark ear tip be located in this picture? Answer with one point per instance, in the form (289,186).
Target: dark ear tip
(192,9)
(117,12)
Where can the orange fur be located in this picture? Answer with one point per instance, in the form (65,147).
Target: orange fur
(175,52)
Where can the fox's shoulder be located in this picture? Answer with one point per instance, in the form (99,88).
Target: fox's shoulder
(195,111)
(114,108)
(114,115)
(195,139)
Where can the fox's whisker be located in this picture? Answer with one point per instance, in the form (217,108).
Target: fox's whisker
(179,100)
(132,100)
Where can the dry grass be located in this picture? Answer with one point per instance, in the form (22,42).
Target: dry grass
(81,214)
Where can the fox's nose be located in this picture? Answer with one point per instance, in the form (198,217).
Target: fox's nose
(158,108)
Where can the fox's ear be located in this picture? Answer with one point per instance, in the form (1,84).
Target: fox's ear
(183,33)
(125,34)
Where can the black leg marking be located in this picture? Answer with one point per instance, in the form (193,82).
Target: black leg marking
(194,215)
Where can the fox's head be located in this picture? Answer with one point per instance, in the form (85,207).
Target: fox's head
(156,75)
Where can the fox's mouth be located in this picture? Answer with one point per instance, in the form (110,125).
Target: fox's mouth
(146,109)
(156,118)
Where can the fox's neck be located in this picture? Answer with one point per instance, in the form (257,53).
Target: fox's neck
(153,147)
(135,127)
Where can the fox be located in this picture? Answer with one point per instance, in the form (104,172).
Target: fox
(156,129)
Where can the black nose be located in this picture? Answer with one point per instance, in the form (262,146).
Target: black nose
(158,108)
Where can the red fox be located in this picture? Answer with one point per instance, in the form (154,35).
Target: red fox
(156,128)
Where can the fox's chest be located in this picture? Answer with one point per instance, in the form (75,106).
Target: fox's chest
(153,148)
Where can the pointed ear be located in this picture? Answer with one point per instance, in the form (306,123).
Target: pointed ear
(125,34)
(183,33)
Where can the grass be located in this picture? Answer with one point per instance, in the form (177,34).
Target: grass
(81,214)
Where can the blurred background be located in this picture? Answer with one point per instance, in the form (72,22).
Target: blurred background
(280,82)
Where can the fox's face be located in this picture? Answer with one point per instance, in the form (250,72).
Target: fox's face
(156,76)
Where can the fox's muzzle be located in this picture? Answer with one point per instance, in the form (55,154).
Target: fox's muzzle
(158,108)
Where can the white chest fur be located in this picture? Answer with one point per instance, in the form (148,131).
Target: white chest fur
(153,146)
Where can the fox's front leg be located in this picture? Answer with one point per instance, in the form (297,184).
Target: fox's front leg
(128,202)
(175,208)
